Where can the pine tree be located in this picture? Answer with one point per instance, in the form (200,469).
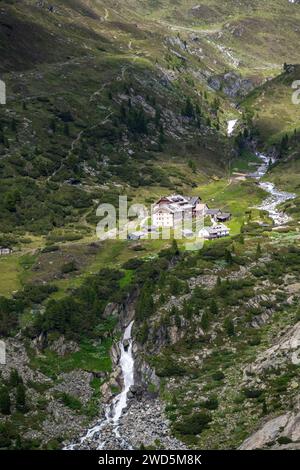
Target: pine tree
(145,303)
(14,378)
(228,257)
(189,108)
(123,112)
(205,320)
(161,140)
(192,166)
(14,125)
(258,251)
(21,398)
(4,401)
(229,327)
(52,125)
(157,118)
(264,408)
(66,129)
(175,249)
(214,307)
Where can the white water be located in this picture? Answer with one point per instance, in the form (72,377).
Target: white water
(231,126)
(127,367)
(276,197)
(114,411)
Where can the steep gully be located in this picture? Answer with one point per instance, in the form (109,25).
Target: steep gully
(109,425)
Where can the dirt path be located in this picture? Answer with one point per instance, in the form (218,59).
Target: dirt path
(203,32)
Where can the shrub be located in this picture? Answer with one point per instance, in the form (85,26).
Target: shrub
(69,267)
(71,402)
(35,294)
(6,435)
(218,376)
(193,424)
(252,393)
(211,404)
(50,249)
(133,264)
(254,341)
(284,440)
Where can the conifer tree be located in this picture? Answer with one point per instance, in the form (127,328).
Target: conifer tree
(4,401)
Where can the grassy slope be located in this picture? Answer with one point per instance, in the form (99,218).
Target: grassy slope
(275,114)
(107,39)
(99,39)
(190,366)
(261,34)
(55,81)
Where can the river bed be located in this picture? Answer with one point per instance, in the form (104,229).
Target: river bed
(276,198)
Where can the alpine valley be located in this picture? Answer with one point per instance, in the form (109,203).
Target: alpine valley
(149,342)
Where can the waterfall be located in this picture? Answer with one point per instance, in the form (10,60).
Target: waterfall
(114,410)
(231,126)
(127,367)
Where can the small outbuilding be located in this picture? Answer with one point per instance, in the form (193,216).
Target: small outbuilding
(217,231)
(223,217)
(4,250)
(136,236)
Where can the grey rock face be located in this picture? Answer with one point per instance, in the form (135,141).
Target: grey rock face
(286,427)
(231,84)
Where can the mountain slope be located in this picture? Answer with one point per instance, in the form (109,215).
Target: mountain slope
(110,98)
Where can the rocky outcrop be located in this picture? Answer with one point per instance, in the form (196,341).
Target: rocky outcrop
(231,84)
(17,358)
(63,347)
(145,423)
(56,420)
(281,432)
(76,383)
(60,421)
(285,350)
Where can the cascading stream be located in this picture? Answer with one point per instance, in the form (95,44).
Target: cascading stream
(114,411)
(277,197)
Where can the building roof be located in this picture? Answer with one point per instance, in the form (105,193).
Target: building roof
(201,206)
(215,229)
(194,200)
(161,209)
(219,228)
(224,215)
(179,199)
(136,234)
(213,211)
(172,208)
